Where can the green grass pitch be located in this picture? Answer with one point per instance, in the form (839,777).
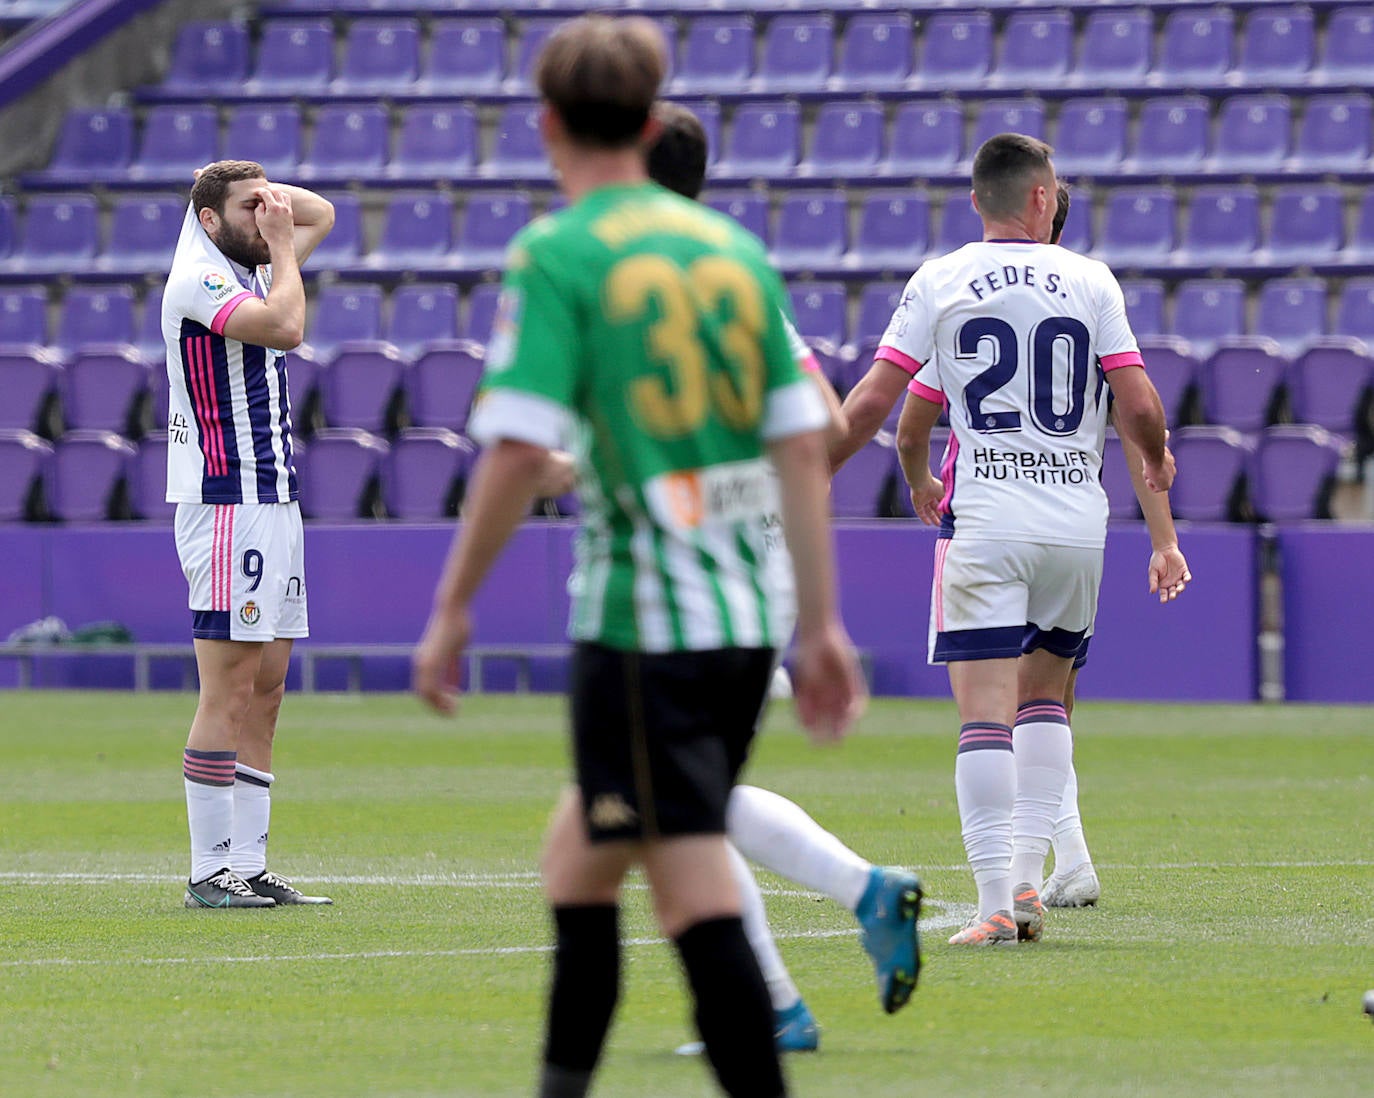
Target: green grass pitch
(1228,956)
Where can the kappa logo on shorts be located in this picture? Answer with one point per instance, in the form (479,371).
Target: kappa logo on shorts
(609,811)
(249,613)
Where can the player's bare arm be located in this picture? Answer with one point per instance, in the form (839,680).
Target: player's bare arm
(278,320)
(1140,420)
(503,488)
(866,406)
(829,687)
(913,451)
(838,425)
(1168,572)
(312,215)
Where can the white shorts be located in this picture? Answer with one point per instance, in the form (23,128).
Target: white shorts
(999,599)
(245,564)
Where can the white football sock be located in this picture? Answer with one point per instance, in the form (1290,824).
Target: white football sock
(781,990)
(780,836)
(1044,752)
(1070,847)
(252,813)
(209,780)
(985,783)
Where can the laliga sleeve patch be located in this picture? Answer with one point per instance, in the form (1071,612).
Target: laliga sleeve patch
(218,285)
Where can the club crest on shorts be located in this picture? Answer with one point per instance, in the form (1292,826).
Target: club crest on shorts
(249,613)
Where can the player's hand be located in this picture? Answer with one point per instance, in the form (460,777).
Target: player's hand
(434,664)
(1169,574)
(274,217)
(558,476)
(925,500)
(827,684)
(1160,478)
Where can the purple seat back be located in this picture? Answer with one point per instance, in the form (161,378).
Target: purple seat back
(1306,223)
(1222,225)
(95,314)
(348,140)
(1172,368)
(1279,43)
(208,56)
(894,230)
(959,223)
(1007,116)
(481,311)
(94,137)
(812,229)
(437,138)
(518,148)
(1091,135)
(1329,384)
(926,136)
(346,312)
(335,470)
(534,32)
(489,222)
(61,232)
(1137,225)
(177,140)
(1037,49)
(859,489)
(1208,310)
(23,314)
(1355,310)
(269,133)
(442,382)
(466,55)
(1196,45)
(294,55)
(1144,305)
(1116,481)
(1292,312)
(765,140)
(796,52)
(876,50)
(1210,462)
(28,377)
(848,140)
(380,55)
(956,49)
(87,468)
(749,208)
(1252,133)
(1290,470)
(717,54)
(877,302)
(1172,135)
(420,473)
(820,309)
(1347,54)
(148,482)
(144,231)
(344,243)
(1240,381)
(1116,49)
(422,313)
(103,389)
(1334,134)
(359,383)
(417,227)
(24,458)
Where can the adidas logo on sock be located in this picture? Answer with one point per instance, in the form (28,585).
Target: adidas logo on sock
(221,846)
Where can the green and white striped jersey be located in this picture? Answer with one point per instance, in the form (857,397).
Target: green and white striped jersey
(650,333)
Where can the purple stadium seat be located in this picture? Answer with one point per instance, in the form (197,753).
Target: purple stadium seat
(1207,310)
(418,229)
(29,376)
(344,313)
(24,459)
(148,481)
(847,141)
(875,52)
(1307,224)
(1078,230)
(61,233)
(1007,116)
(1240,382)
(717,55)
(796,53)
(1291,471)
(764,141)
(518,150)
(708,114)
(1329,384)
(820,309)
(208,56)
(95,314)
(956,50)
(1195,47)
(143,233)
(1355,309)
(23,315)
(1252,133)
(1360,247)
(105,389)
(927,138)
(436,141)
(1291,312)
(93,140)
(380,55)
(959,223)
(360,383)
(534,32)
(1116,481)
(1116,49)
(421,474)
(482,302)
(9,218)
(1091,135)
(749,208)
(302,375)
(811,230)
(442,382)
(489,222)
(86,472)
(1334,133)
(348,142)
(422,313)
(877,302)
(1347,56)
(294,55)
(148,337)
(1037,49)
(175,141)
(269,133)
(1222,225)
(1137,226)
(336,472)
(1211,460)
(894,231)
(1276,45)
(1172,135)
(344,244)
(1144,305)
(1172,368)
(466,56)
(860,488)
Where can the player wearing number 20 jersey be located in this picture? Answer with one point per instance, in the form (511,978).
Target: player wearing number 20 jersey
(1016,337)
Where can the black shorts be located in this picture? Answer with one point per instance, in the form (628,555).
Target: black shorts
(659,738)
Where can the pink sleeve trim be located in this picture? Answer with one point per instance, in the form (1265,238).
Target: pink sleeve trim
(894,356)
(1125,358)
(925,392)
(810,364)
(226,310)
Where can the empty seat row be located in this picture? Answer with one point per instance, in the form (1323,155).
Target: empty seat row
(1101,136)
(737,53)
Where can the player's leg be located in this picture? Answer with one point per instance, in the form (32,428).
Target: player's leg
(1074,881)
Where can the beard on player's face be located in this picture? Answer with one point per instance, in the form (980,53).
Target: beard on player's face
(245,249)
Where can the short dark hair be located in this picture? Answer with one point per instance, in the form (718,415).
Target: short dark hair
(677,159)
(1004,168)
(601,76)
(212,187)
(1061,212)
